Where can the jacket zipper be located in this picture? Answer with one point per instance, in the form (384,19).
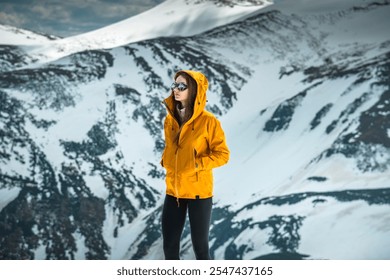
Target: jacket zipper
(176,156)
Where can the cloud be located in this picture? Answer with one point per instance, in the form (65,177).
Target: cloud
(12,19)
(51,12)
(123,8)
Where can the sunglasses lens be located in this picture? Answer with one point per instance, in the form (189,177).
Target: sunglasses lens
(179,86)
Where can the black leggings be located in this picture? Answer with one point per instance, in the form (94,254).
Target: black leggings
(173,219)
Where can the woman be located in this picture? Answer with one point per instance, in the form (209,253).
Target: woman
(194,145)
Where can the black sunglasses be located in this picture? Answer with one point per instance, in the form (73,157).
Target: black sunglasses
(179,86)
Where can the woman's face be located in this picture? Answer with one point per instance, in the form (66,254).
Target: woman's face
(181,96)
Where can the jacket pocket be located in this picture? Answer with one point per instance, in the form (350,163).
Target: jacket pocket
(193,177)
(167,160)
(194,160)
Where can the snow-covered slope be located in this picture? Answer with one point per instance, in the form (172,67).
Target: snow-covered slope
(15,36)
(302,92)
(170,18)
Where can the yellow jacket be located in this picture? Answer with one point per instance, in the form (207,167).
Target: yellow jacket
(202,147)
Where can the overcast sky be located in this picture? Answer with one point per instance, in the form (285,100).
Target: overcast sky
(69,17)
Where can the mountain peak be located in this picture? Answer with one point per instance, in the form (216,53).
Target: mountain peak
(170,18)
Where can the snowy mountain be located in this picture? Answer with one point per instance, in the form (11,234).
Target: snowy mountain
(302,92)
(10,35)
(170,18)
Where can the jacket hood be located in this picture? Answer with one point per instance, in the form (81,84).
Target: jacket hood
(200,100)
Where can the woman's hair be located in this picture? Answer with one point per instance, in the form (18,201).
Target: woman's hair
(192,90)
(189,111)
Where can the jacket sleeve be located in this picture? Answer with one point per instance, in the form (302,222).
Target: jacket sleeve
(218,151)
